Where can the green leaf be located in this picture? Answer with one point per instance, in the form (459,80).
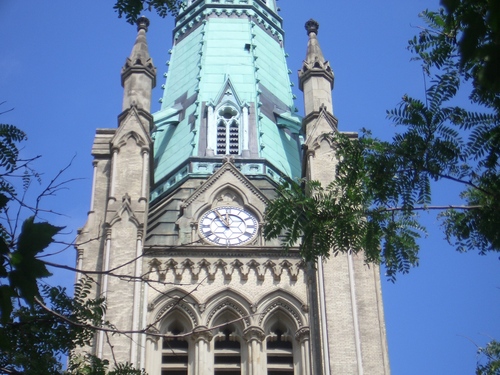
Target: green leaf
(35,237)
(6,295)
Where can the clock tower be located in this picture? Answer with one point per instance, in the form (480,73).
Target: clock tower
(178,204)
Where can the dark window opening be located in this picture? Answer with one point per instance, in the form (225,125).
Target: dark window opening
(279,354)
(227,354)
(174,357)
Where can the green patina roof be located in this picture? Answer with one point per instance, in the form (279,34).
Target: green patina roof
(214,44)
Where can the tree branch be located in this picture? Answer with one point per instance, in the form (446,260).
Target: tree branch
(427,208)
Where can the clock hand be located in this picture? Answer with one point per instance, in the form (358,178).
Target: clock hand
(225,222)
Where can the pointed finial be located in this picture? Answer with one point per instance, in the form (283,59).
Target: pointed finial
(142,23)
(312,27)
(139,64)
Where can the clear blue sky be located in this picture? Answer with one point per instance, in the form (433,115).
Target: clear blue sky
(60,67)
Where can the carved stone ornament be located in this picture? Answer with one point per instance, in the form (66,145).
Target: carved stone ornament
(254,333)
(229,271)
(312,26)
(302,334)
(202,333)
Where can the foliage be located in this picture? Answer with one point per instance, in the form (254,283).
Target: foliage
(132,9)
(380,187)
(472,27)
(489,359)
(353,211)
(20,269)
(92,365)
(35,338)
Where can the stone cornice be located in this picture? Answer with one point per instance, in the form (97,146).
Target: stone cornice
(248,251)
(236,269)
(196,14)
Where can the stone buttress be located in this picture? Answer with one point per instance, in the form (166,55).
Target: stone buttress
(349,317)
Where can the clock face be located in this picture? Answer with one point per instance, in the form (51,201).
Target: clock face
(228,226)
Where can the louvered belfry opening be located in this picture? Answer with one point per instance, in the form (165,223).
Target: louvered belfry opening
(175,350)
(227,353)
(279,353)
(228,131)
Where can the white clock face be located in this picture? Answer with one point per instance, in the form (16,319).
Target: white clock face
(228,226)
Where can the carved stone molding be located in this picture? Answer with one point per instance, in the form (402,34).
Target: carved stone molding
(188,268)
(202,333)
(254,333)
(302,334)
(277,305)
(225,168)
(153,334)
(232,306)
(173,304)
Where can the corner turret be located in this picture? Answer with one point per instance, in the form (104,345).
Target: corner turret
(138,73)
(316,76)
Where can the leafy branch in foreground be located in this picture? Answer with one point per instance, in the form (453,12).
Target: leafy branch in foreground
(37,338)
(489,359)
(20,269)
(34,341)
(379,187)
(132,9)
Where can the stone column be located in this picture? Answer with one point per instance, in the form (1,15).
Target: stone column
(145,174)
(137,299)
(211,132)
(113,174)
(94,177)
(153,352)
(203,364)
(245,144)
(254,337)
(303,337)
(104,286)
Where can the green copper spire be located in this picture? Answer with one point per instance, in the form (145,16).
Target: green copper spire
(227,92)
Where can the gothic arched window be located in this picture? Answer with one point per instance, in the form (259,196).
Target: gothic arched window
(227,352)
(228,131)
(175,351)
(279,351)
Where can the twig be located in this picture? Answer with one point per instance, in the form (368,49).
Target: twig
(111,348)
(426,208)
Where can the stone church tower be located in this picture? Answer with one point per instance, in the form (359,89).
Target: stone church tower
(178,203)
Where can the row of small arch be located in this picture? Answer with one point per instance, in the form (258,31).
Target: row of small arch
(231,307)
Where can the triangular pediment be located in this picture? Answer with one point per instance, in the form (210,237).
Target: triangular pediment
(227,93)
(227,186)
(134,124)
(125,212)
(320,126)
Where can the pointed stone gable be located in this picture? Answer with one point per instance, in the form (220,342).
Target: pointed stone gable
(319,126)
(228,176)
(135,123)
